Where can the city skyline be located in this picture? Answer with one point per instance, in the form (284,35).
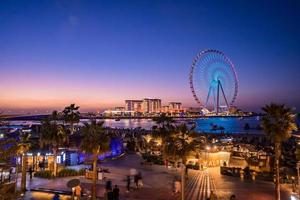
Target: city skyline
(99,54)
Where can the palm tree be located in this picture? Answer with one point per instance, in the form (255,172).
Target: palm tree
(91,115)
(278,124)
(184,143)
(22,148)
(178,146)
(71,116)
(53,136)
(95,141)
(55,115)
(163,131)
(163,121)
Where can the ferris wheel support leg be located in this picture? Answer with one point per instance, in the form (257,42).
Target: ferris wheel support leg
(215,103)
(218,97)
(224,96)
(209,91)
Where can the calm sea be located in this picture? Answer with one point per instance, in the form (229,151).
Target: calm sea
(228,124)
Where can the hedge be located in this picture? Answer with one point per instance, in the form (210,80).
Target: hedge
(62,173)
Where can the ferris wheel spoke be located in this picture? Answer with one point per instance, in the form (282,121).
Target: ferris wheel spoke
(212,74)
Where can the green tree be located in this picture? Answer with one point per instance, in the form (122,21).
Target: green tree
(53,136)
(184,141)
(96,142)
(178,146)
(164,130)
(71,116)
(278,124)
(55,115)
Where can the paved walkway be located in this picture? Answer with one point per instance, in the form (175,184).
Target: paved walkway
(158,183)
(201,183)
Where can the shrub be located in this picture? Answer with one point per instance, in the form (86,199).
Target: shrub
(44,174)
(70,172)
(153,158)
(62,173)
(191,166)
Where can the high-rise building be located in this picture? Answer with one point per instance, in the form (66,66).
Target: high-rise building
(133,105)
(174,105)
(165,109)
(151,105)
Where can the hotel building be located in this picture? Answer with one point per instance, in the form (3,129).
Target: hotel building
(174,106)
(151,105)
(133,105)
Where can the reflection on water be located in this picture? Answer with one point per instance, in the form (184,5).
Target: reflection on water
(230,124)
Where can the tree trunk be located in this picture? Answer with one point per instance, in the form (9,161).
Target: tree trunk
(71,128)
(277,170)
(23,180)
(183,181)
(54,162)
(94,191)
(17,175)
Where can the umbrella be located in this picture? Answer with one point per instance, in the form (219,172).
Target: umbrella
(73,183)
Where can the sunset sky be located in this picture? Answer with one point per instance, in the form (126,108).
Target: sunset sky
(99,53)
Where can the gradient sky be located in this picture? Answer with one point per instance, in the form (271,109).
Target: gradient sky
(99,53)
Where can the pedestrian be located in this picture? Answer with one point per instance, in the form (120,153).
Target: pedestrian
(128,180)
(108,186)
(9,176)
(56,196)
(116,192)
(109,195)
(136,180)
(186,172)
(78,192)
(232,197)
(140,182)
(212,195)
(30,173)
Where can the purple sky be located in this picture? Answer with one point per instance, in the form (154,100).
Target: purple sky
(98,53)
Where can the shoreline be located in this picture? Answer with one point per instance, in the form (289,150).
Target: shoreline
(41,117)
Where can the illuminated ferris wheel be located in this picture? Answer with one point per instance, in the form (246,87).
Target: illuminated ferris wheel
(213,81)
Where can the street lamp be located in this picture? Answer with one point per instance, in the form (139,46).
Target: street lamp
(207,149)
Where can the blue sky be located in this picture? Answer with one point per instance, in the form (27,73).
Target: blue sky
(99,53)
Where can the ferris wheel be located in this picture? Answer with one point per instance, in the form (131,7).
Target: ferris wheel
(213,81)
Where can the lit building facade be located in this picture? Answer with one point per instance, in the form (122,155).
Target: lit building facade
(174,106)
(133,105)
(146,105)
(151,105)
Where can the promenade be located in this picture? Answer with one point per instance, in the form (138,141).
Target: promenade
(201,183)
(158,183)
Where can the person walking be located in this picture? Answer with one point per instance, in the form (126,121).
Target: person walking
(136,180)
(109,195)
(140,182)
(30,172)
(128,180)
(56,197)
(108,185)
(212,195)
(116,193)
(78,192)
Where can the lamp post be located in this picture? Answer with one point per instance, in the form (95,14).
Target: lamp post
(207,150)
